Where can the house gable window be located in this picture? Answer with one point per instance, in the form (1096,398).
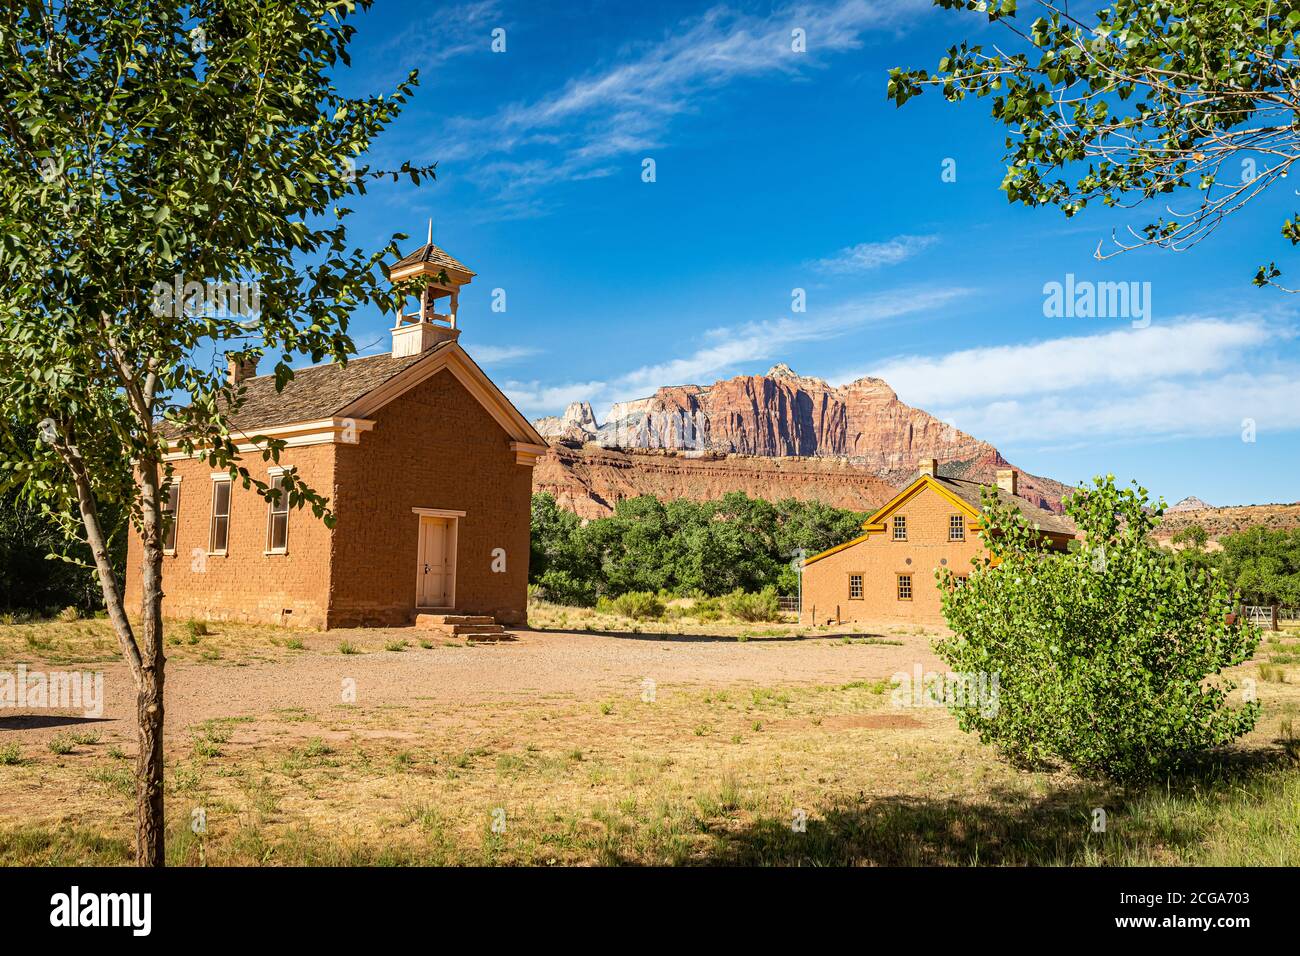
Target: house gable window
(905,587)
(855,587)
(219,532)
(171,507)
(277,519)
(957,528)
(900,527)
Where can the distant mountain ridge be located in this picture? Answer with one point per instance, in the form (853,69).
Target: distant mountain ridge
(783,415)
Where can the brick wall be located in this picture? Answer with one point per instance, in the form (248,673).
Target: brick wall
(433,447)
(880,559)
(245,584)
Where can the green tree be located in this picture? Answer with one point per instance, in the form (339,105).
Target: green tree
(146,144)
(682,546)
(1102,654)
(1263,565)
(1133,103)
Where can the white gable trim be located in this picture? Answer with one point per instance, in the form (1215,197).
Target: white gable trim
(338,431)
(452,358)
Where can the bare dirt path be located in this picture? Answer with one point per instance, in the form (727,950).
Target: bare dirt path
(536,665)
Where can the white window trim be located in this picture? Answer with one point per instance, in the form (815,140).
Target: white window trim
(274,472)
(176,481)
(218,476)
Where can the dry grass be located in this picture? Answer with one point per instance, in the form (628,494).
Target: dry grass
(697,775)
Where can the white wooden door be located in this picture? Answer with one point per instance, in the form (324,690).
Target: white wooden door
(435,558)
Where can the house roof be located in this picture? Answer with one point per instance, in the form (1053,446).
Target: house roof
(1049,521)
(433,255)
(363,386)
(319,391)
(966,494)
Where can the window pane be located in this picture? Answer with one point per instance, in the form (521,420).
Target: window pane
(279,531)
(220,530)
(170,509)
(220,515)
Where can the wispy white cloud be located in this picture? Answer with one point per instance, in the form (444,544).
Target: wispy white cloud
(501,354)
(627,107)
(868,256)
(1121,357)
(728,348)
(449,31)
(1195,377)
(1219,406)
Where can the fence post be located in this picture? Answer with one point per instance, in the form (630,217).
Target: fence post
(1274,615)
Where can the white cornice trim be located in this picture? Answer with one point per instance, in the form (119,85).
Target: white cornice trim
(438,513)
(338,430)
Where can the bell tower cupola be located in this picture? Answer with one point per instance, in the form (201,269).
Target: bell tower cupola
(426,327)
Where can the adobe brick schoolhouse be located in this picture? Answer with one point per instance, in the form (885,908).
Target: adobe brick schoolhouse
(888,573)
(428,469)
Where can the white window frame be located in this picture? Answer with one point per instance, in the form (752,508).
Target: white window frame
(176,516)
(960,528)
(219,478)
(274,474)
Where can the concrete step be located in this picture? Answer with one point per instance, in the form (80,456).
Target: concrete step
(439,620)
(478,628)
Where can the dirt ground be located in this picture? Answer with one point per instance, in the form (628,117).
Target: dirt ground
(726,743)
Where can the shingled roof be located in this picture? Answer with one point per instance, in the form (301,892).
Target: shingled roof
(319,391)
(1049,521)
(435,256)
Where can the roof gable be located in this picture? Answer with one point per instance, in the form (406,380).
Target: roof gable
(923,482)
(365,385)
(963,494)
(448,356)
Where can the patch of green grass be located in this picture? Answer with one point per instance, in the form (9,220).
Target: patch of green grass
(60,745)
(1272,673)
(347,647)
(294,644)
(86,738)
(36,641)
(196,629)
(396,646)
(10,756)
(427,644)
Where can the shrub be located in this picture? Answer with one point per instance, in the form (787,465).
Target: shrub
(69,614)
(638,605)
(561,587)
(196,628)
(760,606)
(1101,654)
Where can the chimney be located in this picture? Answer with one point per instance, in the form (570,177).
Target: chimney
(930,466)
(1009,480)
(240,366)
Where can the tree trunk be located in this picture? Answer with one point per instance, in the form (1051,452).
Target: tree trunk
(150,826)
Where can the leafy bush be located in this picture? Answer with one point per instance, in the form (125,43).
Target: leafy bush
(760,606)
(638,605)
(561,587)
(1102,653)
(680,547)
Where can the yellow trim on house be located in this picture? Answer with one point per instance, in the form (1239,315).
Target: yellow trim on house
(877,522)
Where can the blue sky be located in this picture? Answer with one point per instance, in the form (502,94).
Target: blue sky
(777,170)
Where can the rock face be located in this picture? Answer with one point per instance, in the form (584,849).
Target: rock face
(578,423)
(785,415)
(590,480)
(1188,504)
